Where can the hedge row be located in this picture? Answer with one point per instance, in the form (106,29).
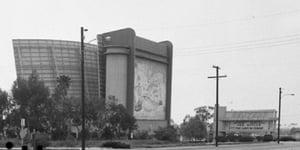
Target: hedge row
(234,138)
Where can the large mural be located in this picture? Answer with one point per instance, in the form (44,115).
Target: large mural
(149,90)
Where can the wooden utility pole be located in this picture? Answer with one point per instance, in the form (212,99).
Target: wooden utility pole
(279,109)
(217,100)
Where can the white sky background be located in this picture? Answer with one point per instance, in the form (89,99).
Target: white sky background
(203,32)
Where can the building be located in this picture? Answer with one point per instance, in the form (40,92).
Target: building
(52,58)
(295,133)
(247,122)
(123,67)
(138,74)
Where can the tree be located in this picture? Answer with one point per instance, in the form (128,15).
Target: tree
(32,98)
(118,120)
(205,113)
(4,102)
(186,118)
(64,108)
(67,111)
(62,87)
(194,128)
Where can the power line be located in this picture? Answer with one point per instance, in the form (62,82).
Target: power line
(245,42)
(246,18)
(238,48)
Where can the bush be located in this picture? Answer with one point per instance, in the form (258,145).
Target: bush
(166,134)
(41,139)
(116,145)
(233,138)
(70,140)
(142,135)
(267,138)
(259,138)
(107,133)
(287,138)
(246,139)
(222,139)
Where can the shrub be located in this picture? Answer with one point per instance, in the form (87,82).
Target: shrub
(107,133)
(246,139)
(222,139)
(287,138)
(116,145)
(259,138)
(142,135)
(233,138)
(41,139)
(166,134)
(70,140)
(267,138)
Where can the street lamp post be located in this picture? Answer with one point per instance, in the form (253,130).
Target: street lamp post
(279,111)
(82,90)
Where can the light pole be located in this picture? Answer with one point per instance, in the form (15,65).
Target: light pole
(279,110)
(82,90)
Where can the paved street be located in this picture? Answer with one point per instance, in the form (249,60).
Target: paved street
(260,146)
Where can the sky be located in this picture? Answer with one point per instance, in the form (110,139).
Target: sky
(255,43)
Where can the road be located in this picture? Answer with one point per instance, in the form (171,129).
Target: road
(260,146)
(256,146)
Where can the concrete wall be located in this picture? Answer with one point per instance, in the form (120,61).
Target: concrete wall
(116,74)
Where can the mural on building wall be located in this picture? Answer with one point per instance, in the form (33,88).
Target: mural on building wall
(149,90)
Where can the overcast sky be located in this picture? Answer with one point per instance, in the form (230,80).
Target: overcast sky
(255,42)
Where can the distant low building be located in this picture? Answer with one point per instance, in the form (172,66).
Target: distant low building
(247,122)
(295,133)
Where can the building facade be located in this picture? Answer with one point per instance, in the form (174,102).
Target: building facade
(123,67)
(247,122)
(52,58)
(138,74)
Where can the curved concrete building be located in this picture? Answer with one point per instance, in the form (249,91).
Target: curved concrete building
(122,67)
(52,58)
(138,74)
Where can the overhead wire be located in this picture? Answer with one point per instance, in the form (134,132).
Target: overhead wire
(244,42)
(239,49)
(247,18)
(240,46)
(236,46)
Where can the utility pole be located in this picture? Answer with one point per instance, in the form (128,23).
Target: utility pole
(278,132)
(279,111)
(82,90)
(217,100)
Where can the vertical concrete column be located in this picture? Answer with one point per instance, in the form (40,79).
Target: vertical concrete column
(116,74)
